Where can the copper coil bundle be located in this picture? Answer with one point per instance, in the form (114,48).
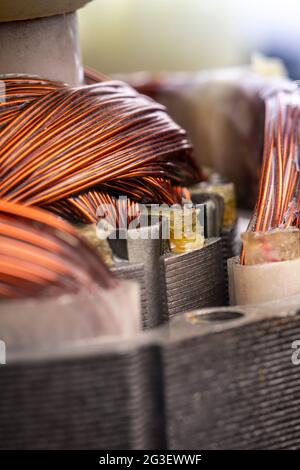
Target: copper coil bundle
(69,149)
(118,210)
(43,255)
(278,201)
(96,205)
(17,91)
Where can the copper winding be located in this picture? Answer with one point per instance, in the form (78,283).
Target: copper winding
(43,255)
(278,196)
(17,91)
(64,148)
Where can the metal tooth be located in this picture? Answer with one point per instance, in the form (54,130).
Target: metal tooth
(186,281)
(195,279)
(135,272)
(175,283)
(230,248)
(144,252)
(213,210)
(231,241)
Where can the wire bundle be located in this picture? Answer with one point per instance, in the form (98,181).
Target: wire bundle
(43,255)
(278,201)
(17,91)
(69,149)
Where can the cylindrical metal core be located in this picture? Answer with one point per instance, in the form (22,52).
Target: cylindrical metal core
(48,47)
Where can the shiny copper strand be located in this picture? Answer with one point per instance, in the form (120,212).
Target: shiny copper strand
(17,91)
(68,142)
(43,255)
(278,196)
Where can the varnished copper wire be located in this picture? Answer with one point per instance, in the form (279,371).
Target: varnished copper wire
(17,91)
(61,145)
(88,206)
(278,196)
(92,76)
(43,255)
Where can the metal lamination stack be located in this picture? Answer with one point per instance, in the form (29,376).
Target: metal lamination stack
(216,208)
(230,382)
(229,249)
(195,279)
(213,379)
(104,399)
(172,283)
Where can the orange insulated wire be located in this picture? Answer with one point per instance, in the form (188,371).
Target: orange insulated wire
(60,146)
(277,204)
(43,255)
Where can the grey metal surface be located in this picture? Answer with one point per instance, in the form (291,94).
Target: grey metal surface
(230,248)
(143,247)
(214,379)
(102,401)
(148,251)
(182,282)
(136,272)
(213,211)
(233,385)
(195,279)
(230,242)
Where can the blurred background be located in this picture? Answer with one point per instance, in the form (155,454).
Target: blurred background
(130,35)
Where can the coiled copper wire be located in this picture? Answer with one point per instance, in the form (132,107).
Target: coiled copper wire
(17,91)
(59,146)
(43,255)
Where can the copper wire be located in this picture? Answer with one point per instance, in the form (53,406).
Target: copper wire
(17,91)
(59,144)
(278,196)
(43,255)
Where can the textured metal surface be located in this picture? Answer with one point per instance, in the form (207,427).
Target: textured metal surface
(233,386)
(144,246)
(215,379)
(106,401)
(230,248)
(195,279)
(230,243)
(186,281)
(213,211)
(135,272)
